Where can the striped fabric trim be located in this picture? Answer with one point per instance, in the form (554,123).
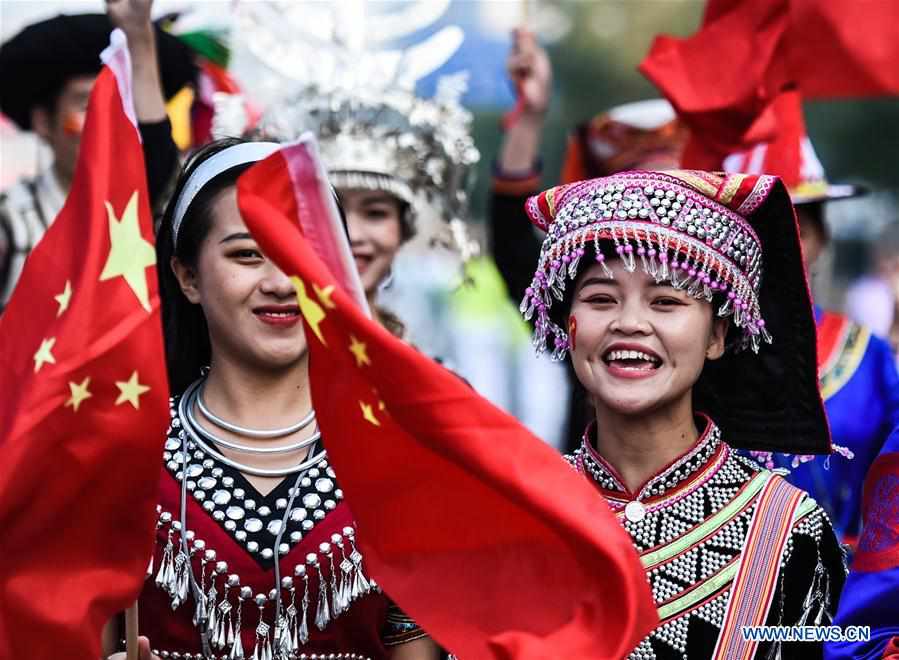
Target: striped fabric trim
(699,593)
(724,515)
(754,585)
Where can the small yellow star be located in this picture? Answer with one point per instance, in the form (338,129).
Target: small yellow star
(131,390)
(44,355)
(64,298)
(324,295)
(357,348)
(368,415)
(79,393)
(311,310)
(382,406)
(129,252)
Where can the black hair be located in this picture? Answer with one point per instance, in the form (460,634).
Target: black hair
(187,346)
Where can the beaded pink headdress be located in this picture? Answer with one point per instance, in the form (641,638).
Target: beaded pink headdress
(691,228)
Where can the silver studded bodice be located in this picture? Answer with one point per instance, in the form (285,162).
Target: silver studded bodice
(683,496)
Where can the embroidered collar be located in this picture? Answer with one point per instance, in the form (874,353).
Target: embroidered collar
(677,473)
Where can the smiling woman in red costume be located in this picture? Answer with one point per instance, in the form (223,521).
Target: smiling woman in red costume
(255,549)
(681,300)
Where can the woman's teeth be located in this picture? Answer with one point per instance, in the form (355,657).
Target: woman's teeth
(633,359)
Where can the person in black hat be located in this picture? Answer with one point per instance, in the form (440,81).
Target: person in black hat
(46,74)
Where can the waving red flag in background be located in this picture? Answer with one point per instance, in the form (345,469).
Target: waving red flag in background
(83,397)
(724,80)
(477,529)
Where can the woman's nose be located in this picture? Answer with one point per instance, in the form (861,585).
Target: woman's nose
(276,283)
(632,319)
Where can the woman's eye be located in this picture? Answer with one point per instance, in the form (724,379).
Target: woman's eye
(667,301)
(377,214)
(246,254)
(599,299)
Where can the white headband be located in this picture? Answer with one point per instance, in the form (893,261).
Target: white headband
(239,154)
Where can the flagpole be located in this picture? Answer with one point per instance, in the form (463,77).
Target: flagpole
(131,651)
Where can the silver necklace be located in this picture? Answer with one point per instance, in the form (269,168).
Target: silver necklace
(248,432)
(192,427)
(194,397)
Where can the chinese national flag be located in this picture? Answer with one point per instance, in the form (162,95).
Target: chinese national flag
(477,529)
(725,79)
(83,398)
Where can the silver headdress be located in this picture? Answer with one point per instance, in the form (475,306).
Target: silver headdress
(374,133)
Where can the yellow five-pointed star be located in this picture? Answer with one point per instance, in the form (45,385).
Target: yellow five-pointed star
(311,310)
(357,348)
(44,355)
(324,295)
(79,393)
(64,298)
(131,390)
(129,253)
(368,415)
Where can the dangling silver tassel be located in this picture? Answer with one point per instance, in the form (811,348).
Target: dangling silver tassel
(237,652)
(303,633)
(664,271)
(754,342)
(262,650)
(346,569)
(287,626)
(726,308)
(180,580)
(674,273)
(336,601)
(224,634)
(575,260)
(322,612)
(813,594)
(164,578)
(360,583)
(653,268)
(200,610)
(764,332)
(824,596)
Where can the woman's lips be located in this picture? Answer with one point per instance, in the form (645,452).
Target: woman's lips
(619,370)
(282,318)
(362,261)
(631,362)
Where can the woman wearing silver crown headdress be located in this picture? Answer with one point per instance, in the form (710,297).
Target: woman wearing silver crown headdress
(401,166)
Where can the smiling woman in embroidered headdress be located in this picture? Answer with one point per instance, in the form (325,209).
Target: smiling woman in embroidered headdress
(681,300)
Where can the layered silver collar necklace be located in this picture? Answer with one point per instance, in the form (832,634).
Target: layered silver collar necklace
(211,442)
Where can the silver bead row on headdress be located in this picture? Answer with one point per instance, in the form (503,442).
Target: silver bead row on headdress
(699,247)
(337,567)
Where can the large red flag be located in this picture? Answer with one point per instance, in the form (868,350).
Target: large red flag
(724,79)
(477,529)
(83,397)
(845,48)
